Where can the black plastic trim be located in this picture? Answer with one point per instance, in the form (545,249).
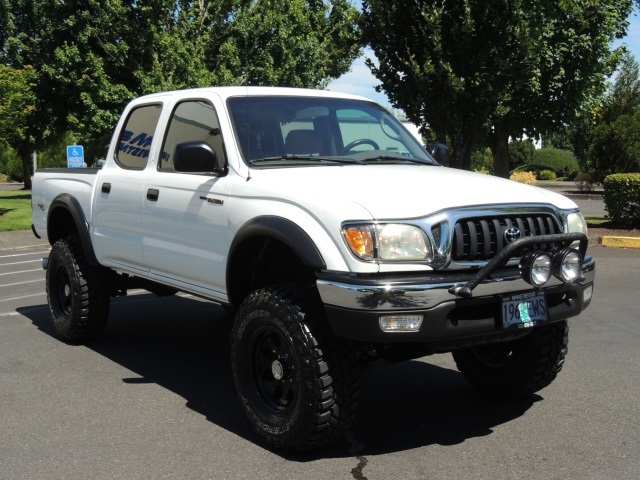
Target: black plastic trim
(72,205)
(284,231)
(450,324)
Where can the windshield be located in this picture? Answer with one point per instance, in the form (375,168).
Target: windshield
(275,131)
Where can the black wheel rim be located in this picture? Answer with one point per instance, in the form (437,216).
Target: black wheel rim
(274,371)
(495,356)
(63,292)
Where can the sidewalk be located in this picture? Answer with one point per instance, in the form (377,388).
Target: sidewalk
(20,240)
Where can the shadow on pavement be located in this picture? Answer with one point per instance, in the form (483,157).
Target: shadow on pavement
(182,345)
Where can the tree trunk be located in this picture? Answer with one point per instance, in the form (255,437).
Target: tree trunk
(25,156)
(500,150)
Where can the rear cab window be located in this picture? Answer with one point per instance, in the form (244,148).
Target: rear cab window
(136,136)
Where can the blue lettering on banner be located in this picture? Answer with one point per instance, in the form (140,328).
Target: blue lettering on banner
(136,146)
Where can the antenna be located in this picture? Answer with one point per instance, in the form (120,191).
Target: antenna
(246,87)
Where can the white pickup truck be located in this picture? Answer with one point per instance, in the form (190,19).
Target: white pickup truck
(338,242)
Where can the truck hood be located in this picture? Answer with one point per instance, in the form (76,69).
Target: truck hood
(395,191)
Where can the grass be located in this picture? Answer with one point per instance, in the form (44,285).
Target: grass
(595,220)
(15,210)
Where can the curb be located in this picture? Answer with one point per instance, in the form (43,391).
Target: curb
(622,242)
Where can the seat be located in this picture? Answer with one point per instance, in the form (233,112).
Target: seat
(303,142)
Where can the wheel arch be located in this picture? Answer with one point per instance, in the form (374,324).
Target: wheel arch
(66,217)
(270,249)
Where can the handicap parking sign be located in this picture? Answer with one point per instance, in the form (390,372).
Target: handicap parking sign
(75,156)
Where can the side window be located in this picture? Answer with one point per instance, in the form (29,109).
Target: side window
(192,121)
(136,137)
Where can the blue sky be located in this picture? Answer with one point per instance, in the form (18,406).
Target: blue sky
(359,80)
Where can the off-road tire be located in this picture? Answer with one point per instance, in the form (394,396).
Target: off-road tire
(297,384)
(519,367)
(78,293)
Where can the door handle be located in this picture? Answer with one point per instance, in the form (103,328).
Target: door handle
(152,194)
(106,188)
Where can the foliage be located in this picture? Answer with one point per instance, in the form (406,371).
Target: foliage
(15,210)
(559,137)
(615,134)
(562,162)
(616,146)
(547,175)
(622,198)
(55,155)
(520,153)
(584,182)
(17,114)
(528,178)
(93,56)
(10,163)
(482,161)
(471,74)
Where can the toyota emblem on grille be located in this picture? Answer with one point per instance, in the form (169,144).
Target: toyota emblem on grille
(512,234)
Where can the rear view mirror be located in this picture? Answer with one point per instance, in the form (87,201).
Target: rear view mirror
(440,152)
(196,157)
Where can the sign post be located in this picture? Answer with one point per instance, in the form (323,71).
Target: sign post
(75,156)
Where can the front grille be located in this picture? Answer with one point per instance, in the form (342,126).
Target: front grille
(480,239)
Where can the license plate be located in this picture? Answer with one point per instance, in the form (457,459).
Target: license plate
(524,310)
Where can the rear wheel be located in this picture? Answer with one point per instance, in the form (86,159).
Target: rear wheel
(298,385)
(77,293)
(519,367)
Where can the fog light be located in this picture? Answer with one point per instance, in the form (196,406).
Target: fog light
(400,323)
(535,268)
(587,293)
(568,264)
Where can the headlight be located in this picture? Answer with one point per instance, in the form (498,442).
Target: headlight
(392,242)
(576,223)
(535,268)
(568,265)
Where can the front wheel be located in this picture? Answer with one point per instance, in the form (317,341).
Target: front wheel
(297,384)
(519,367)
(77,293)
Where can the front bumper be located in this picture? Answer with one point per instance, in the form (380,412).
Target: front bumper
(354,304)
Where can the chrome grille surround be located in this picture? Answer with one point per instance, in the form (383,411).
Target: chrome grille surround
(478,223)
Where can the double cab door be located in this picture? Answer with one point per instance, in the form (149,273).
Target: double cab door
(175,222)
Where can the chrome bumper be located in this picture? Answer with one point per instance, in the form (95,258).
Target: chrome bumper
(354,305)
(387,296)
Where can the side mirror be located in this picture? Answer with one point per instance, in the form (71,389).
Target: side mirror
(196,157)
(440,152)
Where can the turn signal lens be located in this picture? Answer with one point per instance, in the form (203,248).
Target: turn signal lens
(400,323)
(361,241)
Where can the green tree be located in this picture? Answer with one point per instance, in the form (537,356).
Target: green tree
(478,69)
(520,153)
(17,109)
(93,56)
(606,138)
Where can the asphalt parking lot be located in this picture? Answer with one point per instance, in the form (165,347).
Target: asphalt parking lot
(154,399)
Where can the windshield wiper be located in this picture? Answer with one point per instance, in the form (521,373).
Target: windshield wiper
(306,158)
(399,158)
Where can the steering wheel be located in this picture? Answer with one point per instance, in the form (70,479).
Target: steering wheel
(361,141)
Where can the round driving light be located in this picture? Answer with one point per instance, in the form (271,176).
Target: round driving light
(535,268)
(569,265)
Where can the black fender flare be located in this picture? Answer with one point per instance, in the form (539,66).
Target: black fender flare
(71,204)
(285,231)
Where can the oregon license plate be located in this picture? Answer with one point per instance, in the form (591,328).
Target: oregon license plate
(524,310)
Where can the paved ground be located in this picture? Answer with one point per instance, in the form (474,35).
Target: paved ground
(154,399)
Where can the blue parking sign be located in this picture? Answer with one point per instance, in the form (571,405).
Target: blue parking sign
(75,156)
